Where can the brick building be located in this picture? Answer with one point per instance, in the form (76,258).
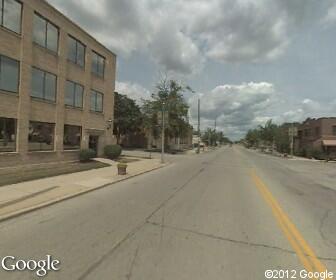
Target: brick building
(319,135)
(56,86)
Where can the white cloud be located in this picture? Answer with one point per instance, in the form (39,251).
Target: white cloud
(179,35)
(236,107)
(133,90)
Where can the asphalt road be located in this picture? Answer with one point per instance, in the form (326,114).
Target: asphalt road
(228,214)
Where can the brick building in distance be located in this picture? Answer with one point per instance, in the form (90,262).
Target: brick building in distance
(317,135)
(56,86)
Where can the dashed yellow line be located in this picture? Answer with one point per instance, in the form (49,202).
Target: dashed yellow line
(304,252)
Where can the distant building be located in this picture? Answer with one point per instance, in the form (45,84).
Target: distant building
(56,86)
(317,134)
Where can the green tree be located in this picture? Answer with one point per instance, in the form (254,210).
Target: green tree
(168,97)
(127,116)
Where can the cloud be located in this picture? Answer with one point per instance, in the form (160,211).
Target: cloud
(180,35)
(236,107)
(133,90)
(330,17)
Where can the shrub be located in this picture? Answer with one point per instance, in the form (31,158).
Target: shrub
(318,154)
(86,155)
(112,151)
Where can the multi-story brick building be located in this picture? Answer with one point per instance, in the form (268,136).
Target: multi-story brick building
(318,134)
(56,85)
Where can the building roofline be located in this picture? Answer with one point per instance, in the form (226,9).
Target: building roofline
(77,25)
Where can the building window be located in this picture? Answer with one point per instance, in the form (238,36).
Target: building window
(317,131)
(334,130)
(72,137)
(96,101)
(9,74)
(41,136)
(45,33)
(43,85)
(98,64)
(307,132)
(76,51)
(74,94)
(10,15)
(7,135)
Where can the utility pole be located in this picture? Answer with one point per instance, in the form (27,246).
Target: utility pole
(199,126)
(163,133)
(292,140)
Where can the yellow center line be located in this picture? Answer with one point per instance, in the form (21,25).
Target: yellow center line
(303,250)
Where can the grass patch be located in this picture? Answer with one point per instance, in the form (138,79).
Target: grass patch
(20,174)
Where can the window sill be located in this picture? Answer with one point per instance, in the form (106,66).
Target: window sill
(43,100)
(74,108)
(7,30)
(76,65)
(98,76)
(71,151)
(46,50)
(41,152)
(10,93)
(9,153)
(97,113)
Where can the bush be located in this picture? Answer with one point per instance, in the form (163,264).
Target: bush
(112,151)
(318,154)
(86,155)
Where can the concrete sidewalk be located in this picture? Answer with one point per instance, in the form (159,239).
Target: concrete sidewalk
(28,196)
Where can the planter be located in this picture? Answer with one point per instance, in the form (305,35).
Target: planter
(122,169)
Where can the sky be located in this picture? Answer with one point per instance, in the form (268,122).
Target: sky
(247,60)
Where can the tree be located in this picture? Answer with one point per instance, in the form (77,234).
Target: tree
(168,97)
(211,136)
(127,116)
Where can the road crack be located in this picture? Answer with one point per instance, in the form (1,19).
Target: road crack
(109,253)
(129,274)
(231,240)
(322,224)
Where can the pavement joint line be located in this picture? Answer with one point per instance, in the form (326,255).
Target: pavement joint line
(225,239)
(68,197)
(23,198)
(305,253)
(135,230)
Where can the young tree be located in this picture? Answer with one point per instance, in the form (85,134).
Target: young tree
(168,98)
(127,116)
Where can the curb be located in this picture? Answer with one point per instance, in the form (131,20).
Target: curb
(70,196)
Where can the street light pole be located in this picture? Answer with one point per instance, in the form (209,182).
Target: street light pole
(163,133)
(292,140)
(199,126)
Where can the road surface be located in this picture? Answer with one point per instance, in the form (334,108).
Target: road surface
(228,214)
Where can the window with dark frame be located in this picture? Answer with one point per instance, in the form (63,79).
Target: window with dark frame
(41,136)
(9,74)
(74,94)
(72,137)
(98,64)
(45,33)
(7,135)
(97,101)
(10,15)
(43,85)
(76,51)
(334,130)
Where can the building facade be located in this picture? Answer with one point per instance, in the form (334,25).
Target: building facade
(317,134)
(56,86)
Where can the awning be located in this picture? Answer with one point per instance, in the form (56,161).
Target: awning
(329,143)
